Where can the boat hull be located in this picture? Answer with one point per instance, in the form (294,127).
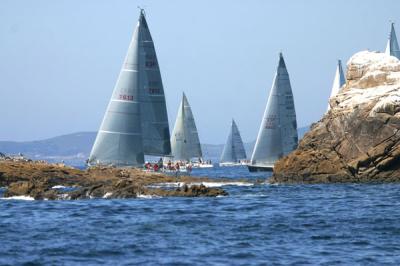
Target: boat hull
(200,165)
(258,168)
(231,164)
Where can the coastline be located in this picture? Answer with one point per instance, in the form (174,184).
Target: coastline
(41,180)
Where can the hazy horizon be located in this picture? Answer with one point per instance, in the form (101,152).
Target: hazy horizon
(60,59)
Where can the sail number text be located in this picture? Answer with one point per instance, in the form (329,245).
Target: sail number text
(126,97)
(270,122)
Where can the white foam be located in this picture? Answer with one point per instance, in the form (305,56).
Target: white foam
(167,185)
(107,195)
(59,187)
(19,198)
(141,196)
(65,196)
(221,184)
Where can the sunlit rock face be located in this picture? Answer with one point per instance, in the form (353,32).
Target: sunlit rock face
(358,140)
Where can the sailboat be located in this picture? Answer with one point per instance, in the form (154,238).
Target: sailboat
(233,152)
(392,47)
(338,81)
(185,142)
(136,120)
(278,131)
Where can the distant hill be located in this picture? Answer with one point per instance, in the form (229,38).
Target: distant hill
(74,148)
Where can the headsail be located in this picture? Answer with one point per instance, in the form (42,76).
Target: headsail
(233,149)
(278,131)
(392,47)
(338,82)
(185,141)
(136,120)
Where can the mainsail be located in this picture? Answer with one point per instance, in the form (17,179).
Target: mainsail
(338,82)
(136,121)
(392,47)
(233,150)
(278,131)
(185,141)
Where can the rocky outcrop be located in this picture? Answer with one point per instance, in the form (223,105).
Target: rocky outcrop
(41,180)
(358,140)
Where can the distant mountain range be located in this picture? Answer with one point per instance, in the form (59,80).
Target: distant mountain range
(74,148)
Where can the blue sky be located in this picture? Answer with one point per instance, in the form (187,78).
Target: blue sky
(59,60)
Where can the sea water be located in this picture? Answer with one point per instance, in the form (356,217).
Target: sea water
(260,224)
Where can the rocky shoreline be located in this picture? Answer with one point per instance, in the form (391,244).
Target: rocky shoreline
(358,140)
(41,180)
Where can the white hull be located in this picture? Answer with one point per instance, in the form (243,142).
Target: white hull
(231,164)
(202,165)
(165,170)
(260,168)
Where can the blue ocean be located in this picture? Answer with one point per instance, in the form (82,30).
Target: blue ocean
(258,224)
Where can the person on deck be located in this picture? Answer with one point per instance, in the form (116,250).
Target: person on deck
(160,162)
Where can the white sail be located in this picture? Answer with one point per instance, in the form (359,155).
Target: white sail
(338,81)
(233,150)
(136,119)
(392,46)
(185,141)
(153,110)
(278,131)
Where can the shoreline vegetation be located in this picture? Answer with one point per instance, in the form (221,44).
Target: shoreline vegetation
(45,181)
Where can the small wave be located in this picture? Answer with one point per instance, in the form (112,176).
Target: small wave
(221,184)
(207,184)
(167,185)
(107,195)
(19,198)
(59,187)
(65,196)
(142,196)
(254,195)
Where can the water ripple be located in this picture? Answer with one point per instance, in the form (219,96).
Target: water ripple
(254,225)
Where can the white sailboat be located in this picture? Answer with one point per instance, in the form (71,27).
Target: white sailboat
(392,46)
(338,81)
(185,142)
(233,153)
(136,120)
(278,131)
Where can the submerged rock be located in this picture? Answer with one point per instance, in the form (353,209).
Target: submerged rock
(358,140)
(41,180)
